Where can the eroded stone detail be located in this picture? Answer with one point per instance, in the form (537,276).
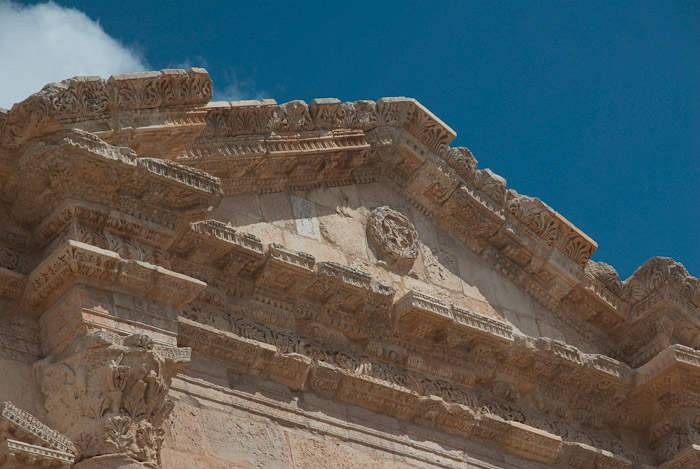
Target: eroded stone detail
(26,442)
(393,236)
(519,344)
(109,394)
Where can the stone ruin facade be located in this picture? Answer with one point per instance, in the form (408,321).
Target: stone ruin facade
(245,284)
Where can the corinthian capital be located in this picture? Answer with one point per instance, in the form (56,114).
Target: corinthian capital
(108,393)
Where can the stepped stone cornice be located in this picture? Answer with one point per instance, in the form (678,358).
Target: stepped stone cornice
(109,250)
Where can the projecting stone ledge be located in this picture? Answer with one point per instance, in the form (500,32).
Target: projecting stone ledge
(351,287)
(154,113)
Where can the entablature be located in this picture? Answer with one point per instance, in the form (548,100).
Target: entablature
(105,192)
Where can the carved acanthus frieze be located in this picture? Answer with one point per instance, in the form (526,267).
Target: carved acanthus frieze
(653,275)
(462,161)
(108,393)
(140,110)
(551,226)
(411,115)
(361,115)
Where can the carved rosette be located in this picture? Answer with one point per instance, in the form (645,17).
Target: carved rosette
(109,394)
(393,236)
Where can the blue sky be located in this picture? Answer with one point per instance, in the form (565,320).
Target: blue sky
(594,107)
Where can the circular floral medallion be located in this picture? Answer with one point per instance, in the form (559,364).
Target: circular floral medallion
(393,236)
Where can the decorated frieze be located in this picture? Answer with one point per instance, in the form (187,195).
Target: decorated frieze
(81,166)
(359,381)
(140,110)
(102,240)
(599,382)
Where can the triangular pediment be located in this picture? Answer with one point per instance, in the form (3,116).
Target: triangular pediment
(343,249)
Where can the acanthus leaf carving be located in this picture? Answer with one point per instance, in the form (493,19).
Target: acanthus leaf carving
(100,105)
(361,115)
(328,114)
(294,117)
(126,379)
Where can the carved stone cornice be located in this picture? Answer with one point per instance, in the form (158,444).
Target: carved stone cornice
(20,455)
(54,291)
(154,113)
(261,147)
(26,442)
(108,393)
(76,262)
(80,166)
(651,310)
(527,241)
(427,353)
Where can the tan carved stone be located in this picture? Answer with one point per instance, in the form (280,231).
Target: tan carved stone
(393,236)
(26,442)
(252,284)
(109,394)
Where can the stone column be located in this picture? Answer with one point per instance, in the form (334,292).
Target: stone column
(108,394)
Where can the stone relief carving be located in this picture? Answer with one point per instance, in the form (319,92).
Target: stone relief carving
(606,274)
(393,236)
(96,210)
(26,442)
(109,394)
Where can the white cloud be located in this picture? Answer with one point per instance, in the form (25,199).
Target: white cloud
(238,86)
(44,43)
